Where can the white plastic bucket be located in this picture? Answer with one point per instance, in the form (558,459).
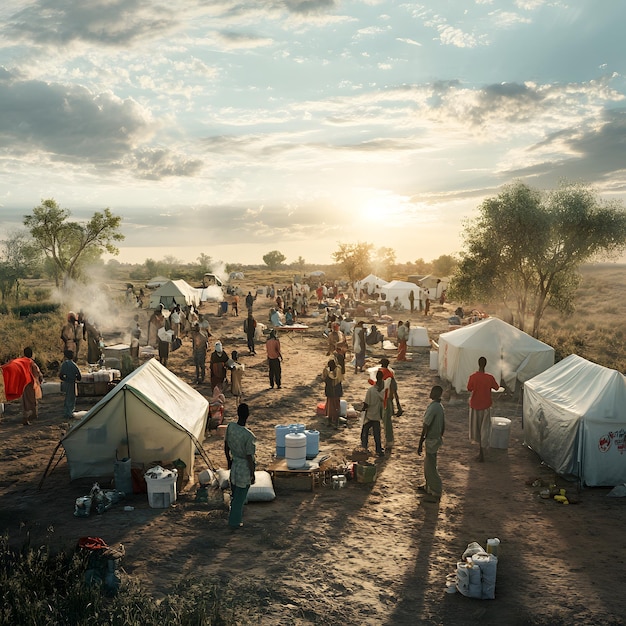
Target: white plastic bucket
(161,485)
(493,546)
(500,432)
(295,450)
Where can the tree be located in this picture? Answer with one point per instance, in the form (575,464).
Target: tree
(273,259)
(355,258)
(526,246)
(68,244)
(384,262)
(19,257)
(206,263)
(299,263)
(444,265)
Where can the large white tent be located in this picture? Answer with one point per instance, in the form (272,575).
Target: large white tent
(372,282)
(175,292)
(575,419)
(401,290)
(512,355)
(151,415)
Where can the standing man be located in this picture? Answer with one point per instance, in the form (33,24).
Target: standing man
(200,345)
(480,384)
(373,408)
(432,433)
(249,327)
(69,375)
(390,393)
(403,338)
(32,392)
(68,334)
(250,301)
(274,358)
(218,361)
(239,448)
(412,300)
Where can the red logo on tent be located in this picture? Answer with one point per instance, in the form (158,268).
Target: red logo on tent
(604,443)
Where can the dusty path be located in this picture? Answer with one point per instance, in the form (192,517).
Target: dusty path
(363,555)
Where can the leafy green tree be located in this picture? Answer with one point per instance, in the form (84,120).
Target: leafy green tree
(422,267)
(69,244)
(526,246)
(355,258)
(273,259)
(19,257)
(205,262)
(299,263)
(444,265)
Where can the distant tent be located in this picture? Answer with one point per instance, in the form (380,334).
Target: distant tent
(317,273)
(575,420)
(175,292)
(236,276)
(151,416)
(512,355)
(401,290)
(373,283)
(157,281)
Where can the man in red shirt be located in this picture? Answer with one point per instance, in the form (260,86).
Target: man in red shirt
(480,384)
(274,357)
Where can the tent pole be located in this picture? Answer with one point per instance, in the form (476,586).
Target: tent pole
(126,426)
(49,464)
(203,453)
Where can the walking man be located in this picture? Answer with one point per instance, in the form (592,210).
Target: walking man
(403,338)
(239,448)
(480,384)
(69,375)
(432,435)
(249,327)
(373,408)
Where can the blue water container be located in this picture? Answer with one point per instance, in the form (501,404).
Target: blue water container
(312,443)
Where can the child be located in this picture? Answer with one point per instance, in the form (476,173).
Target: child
(69,375)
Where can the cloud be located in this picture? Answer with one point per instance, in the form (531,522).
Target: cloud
(117,23)
(158,163)
(69,122)
(230,40)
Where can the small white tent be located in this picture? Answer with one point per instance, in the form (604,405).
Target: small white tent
(372,282)
(175,292)
(512,355)
(151,415)
(575,419)
(401,290)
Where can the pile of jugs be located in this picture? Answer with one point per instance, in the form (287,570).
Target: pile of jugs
(338,481)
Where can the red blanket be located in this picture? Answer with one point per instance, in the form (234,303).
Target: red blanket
(17,374)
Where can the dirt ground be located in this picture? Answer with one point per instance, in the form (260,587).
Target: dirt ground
(367,554)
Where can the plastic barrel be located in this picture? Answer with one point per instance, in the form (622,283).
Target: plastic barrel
(312,443)
(295,450)
(500,431)
(297,428)
(281,432)
(434,360)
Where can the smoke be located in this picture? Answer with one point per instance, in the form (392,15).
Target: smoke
(98,302)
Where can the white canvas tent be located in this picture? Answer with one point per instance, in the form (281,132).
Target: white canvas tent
(512,355)
(575,419)
(175,292)
(373,283)
(401,290)
(151,415)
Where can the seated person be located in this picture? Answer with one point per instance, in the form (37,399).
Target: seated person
(290,317)
(275,318)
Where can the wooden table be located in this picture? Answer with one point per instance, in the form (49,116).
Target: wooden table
(278,468)
(289,329)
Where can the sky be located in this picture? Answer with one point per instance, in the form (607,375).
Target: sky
(237,127)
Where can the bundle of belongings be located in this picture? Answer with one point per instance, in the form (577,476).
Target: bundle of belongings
(476,573)
(103,563)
